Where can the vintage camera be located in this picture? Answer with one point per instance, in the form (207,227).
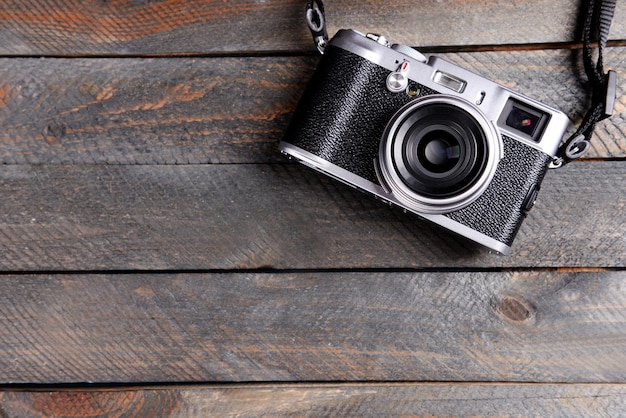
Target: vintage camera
(425,135)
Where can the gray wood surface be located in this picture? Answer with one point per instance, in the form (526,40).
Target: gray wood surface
(61,27)
(306,400)
(279,216)
(158,257)
(531,326)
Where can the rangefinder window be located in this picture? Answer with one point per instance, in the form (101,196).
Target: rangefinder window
(524,119)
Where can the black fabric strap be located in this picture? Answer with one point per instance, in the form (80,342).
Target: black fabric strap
(598,16)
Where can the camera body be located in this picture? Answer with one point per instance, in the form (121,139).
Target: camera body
(428,136)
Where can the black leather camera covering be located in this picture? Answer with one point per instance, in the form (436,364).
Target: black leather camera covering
(344,110)
(341,118)
(500,210)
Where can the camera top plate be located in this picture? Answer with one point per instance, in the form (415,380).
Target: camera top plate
(485,95)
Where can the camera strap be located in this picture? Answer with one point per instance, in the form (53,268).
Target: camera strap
(598,17)
(602,85)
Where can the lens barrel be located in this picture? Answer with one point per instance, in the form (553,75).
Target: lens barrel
(439,153)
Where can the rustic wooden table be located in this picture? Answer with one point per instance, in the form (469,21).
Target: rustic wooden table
(159,257)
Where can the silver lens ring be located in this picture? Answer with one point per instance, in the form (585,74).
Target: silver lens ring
(438,154)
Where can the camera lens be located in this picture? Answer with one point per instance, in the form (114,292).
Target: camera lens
(439,152)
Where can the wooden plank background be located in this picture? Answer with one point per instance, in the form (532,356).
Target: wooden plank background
(533,326)
(175,27)
(478,399)
(158,256)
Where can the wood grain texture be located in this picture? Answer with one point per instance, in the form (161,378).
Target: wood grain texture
(370,400)
(132,27)
(278,216)
(147,111)
(152,238)
(533,326)
(225,110)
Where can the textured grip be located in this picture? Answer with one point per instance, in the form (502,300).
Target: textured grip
(344,110)
(499,211)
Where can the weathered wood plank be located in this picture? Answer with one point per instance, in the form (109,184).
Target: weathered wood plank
(368,400)
(147,111)
(57,217)
(533,326)
(68,27)
(223,110)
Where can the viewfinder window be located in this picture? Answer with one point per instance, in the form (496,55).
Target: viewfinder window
(525,119)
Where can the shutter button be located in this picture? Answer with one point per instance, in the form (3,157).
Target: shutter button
(398,80)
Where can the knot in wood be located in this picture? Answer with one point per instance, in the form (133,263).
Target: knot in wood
(515,309)
(54,132)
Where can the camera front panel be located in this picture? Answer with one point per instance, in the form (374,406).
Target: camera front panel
(340,120)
